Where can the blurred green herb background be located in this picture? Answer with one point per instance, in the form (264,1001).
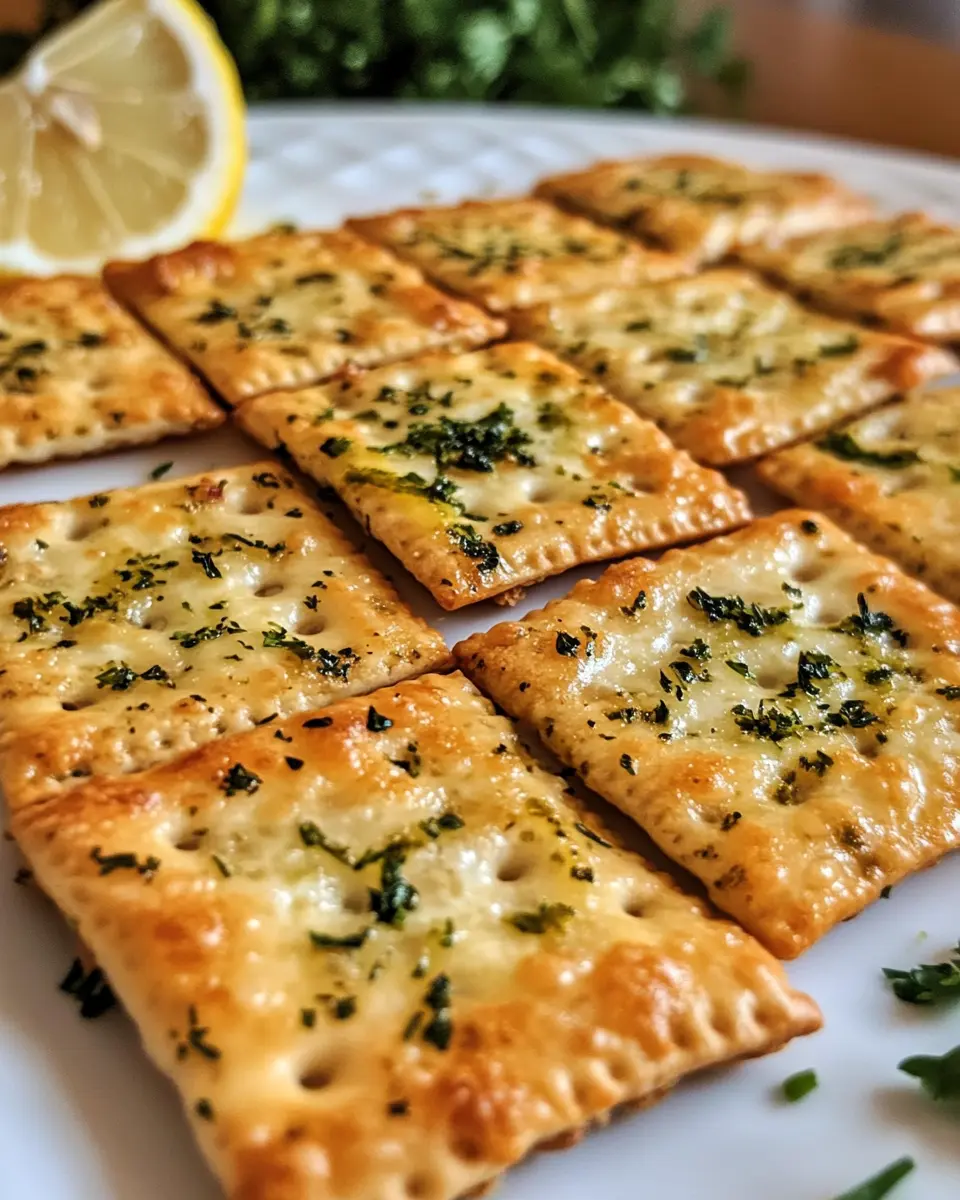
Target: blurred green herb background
(638,54)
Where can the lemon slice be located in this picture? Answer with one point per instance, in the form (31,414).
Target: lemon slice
(122,134)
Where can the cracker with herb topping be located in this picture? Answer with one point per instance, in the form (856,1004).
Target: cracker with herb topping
(901,273)
(382,953)
(706,207)
(137,624)
(484,472)
(779,709)
(287,309)
(726,366)
(512,253)
(892,479)
(79,376)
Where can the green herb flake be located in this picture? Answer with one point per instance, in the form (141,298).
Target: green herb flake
(567,645)
(627,763)
(882,1183)
(239,779)
(939,1075)
(546,918)
(799,1086)
(638,605)
(929,983)
(331,941)
(844,446)
(333,447)
(752,619)
(125,861)
(204,1109)
(90,989)
(377,722)
(396,896)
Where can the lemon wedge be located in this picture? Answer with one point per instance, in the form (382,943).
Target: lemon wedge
(122,134)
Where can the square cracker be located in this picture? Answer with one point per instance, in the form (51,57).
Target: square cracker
(778,709)
(892,479)
(512,253)
(706,207)
(487,471)
(902,273)
(504,975)
(727,366)
(137,624)
(79,376)
(286,309)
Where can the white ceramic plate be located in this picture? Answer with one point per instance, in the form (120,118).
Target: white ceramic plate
(83,1114)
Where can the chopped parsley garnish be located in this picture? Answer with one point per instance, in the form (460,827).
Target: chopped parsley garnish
(196,1039)
(741,668)
(698,650)
(818,765)
(852,255)
(844,446)
(188,638)
(767,723)
(441,491)
(161,469)
(881,1184)
(445,822)
(950,692)
(412,763)
(204,1109)
(800,1085)
(546,918)
(334,663)
(331,941)
(849,345)
(312,835)
(506,528)
(939,1075)
(377,722)
(119,676)
(652,716)
(466,538)
(204,560)
(627,763)
(930,983)
(468,445)
(853,713)
(90,989)
(125,861)
(395,896)
(811,665)
(333,447)
(588,833)
(215,312)
(752,619)
(33,609)
(439,1029)
(865,621)
(295,764)
(638,605)
(567,645)
(239,779)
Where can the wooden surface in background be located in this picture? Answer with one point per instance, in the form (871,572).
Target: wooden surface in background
(828,74)
(813,71)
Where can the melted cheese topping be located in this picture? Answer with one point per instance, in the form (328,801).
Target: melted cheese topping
(706,205)
(512,253)
(286,309)
(502,973)
(137,624)
(487,470)
(902,271)
(79,376)
(727,366)
(893,479)
(778,709)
